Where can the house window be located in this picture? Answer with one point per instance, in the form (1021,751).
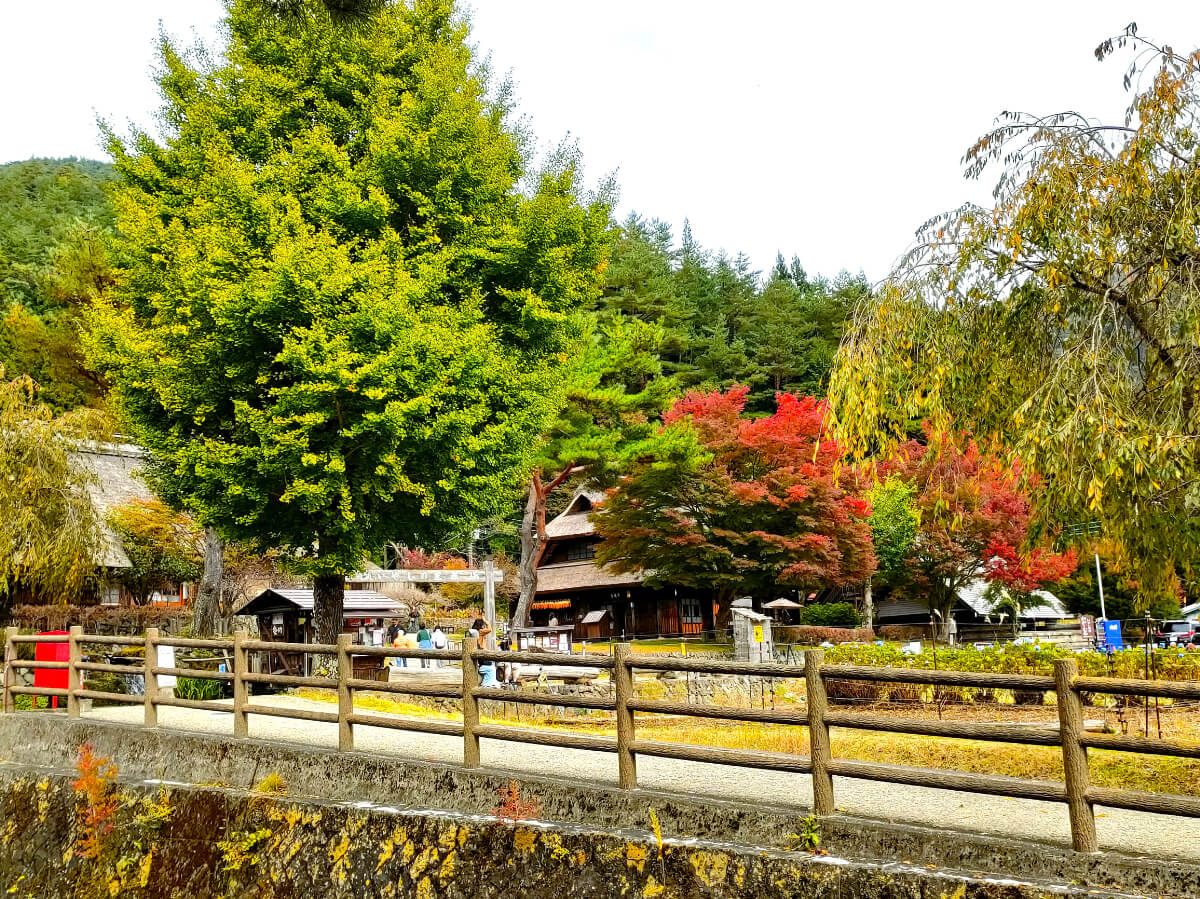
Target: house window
(111,596)
(690,615)
(579,552)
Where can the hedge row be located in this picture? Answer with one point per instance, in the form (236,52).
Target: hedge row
(55,617)
(1033,658)
(814,636)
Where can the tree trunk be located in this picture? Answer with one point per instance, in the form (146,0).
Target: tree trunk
(204,606)
(724,615)
(868,606)
(942,599)
(329,594)
(533,540)
(532,545)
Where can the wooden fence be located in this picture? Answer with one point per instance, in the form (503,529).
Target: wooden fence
(1070,734)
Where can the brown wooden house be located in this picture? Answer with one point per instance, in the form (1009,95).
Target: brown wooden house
(571,585)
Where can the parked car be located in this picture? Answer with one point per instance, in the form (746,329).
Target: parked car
(1178,632)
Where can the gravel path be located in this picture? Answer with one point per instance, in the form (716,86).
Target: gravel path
(1135,833)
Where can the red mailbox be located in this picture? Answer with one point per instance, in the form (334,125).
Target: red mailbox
(54,678)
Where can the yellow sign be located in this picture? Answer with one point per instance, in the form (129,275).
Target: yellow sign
(758,635)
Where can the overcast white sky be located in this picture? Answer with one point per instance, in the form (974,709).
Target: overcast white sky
(827,130)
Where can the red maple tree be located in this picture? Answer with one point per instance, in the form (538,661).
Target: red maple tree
(735,505)
(975,518)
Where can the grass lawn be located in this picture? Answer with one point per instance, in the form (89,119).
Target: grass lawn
(660,645)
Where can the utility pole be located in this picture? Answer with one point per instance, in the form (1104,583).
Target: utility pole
(489,600)
(1100,585)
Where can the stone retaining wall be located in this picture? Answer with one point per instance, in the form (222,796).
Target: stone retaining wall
(205,842)
(349,781)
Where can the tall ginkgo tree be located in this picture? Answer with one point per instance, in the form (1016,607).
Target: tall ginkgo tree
(344,294)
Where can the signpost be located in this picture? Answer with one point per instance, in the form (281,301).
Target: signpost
(1090,529)
(489,576)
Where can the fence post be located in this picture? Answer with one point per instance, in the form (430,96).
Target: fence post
(151,661)
(470,705)
(10,656)
(345,671)
(623,682)
(818,732)
(241,726)
(1075,766)
(74,681)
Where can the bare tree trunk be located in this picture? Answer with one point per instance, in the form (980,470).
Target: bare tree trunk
(533,540)
(724,614)
(531,550)
(204,606)
(868,606)
(329,593)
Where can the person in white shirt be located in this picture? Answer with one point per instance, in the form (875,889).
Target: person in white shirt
(438,638)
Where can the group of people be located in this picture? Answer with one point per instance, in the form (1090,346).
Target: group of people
(419,638)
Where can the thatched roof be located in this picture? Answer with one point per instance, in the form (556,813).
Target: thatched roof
(575,521)
(114,481)
(357,603)
(581,576)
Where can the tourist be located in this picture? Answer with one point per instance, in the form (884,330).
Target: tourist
(510,668)
(424,642)
(478,632)
(401,641)
(502,668)
(438,638)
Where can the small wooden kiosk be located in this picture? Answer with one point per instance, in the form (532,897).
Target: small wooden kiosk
(286,616)
(556,638)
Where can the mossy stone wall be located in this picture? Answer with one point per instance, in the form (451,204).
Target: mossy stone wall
(199,843)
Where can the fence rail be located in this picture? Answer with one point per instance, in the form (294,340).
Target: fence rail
(1076,790)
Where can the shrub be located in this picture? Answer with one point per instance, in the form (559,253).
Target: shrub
(198,688)
(273,784)
(92,618)
(106,682)
(830,614)
(815,635)
(1030,658)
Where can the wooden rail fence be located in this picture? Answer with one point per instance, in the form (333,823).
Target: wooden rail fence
(1076,791)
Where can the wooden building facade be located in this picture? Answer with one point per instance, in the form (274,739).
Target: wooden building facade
(572,588)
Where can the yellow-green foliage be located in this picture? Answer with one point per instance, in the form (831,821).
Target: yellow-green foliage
(49,532)
(238,849)
(344,309)
(1032,658)
(273,784)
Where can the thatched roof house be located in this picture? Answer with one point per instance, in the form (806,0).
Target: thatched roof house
(114,480)
(571,586)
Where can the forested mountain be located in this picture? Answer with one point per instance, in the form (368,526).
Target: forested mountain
(54,215)
(722,322)
(712,320)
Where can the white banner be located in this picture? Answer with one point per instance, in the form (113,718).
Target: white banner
(166,659)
